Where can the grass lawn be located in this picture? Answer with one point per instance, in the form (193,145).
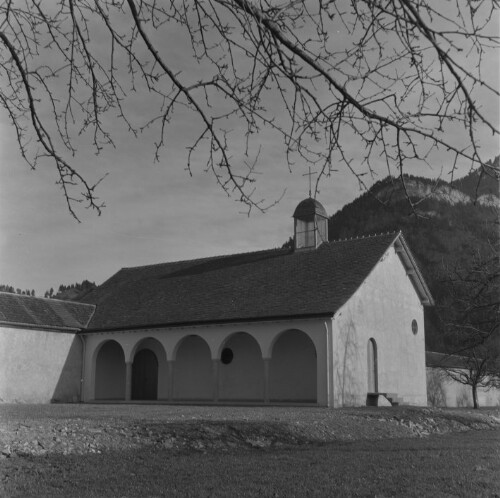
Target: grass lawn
(457,464)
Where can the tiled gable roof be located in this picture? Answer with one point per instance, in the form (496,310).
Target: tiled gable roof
(253,286)
(39,312)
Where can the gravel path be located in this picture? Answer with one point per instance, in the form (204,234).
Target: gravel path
(80,429)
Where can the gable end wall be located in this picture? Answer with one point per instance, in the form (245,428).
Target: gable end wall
(383,309)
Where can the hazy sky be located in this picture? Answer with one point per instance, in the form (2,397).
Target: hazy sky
(155,212)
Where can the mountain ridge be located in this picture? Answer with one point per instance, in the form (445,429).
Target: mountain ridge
(444,223)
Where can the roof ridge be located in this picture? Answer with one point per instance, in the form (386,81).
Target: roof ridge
(48,299)
(206,258)
(275,249)
(367,236)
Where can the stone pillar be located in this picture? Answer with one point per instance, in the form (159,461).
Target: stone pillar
(267,362)
(215,379)
(170,366)
(128,381)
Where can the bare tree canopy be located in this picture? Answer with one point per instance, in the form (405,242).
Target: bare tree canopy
(472,317)
(395,79)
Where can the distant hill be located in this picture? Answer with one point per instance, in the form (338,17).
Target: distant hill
(480,185)
(443,223)
(72,292)
(11,290)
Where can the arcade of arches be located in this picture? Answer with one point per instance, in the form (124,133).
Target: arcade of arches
(239,373)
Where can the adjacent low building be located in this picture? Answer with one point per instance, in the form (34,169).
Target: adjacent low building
(41,352)
(443,390)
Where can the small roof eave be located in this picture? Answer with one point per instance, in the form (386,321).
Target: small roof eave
(34,326)
(24,311)
(413,271)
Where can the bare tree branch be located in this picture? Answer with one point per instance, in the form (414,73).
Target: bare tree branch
(393,80)
(471,314)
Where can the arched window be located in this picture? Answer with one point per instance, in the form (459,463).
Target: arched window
(372,367)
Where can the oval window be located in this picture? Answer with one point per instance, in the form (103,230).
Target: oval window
(414,326)
(226,356)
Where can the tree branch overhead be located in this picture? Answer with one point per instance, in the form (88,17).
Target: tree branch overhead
(337,83)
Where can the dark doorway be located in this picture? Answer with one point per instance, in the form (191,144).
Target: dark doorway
(145,375)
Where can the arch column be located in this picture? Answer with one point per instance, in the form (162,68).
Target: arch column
(215,378)
(267,362)
(170,368)
(128,381)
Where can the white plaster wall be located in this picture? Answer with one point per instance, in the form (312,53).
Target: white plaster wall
(383,309)
(216,336)
(444,391)
(38,366)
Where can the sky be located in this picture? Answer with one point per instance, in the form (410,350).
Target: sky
(155,211)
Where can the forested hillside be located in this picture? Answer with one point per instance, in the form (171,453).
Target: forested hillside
(71,292)
(478,185)
(12,290)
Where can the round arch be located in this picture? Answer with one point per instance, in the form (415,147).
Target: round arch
(109,376)
(192,369)
(293,368)
(150,343)
(148,370)
(241,369)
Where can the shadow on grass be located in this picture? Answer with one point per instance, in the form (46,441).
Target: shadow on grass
(466,464)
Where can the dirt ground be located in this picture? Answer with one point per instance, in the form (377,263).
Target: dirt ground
(83,429)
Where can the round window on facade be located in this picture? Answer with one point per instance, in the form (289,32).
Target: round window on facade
(414,327)
(227,356)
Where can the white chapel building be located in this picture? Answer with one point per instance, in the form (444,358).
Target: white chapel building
(331,324)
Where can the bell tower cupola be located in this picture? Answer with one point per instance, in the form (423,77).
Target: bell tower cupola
(310,225)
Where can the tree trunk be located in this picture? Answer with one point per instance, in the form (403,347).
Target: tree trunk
(474,396)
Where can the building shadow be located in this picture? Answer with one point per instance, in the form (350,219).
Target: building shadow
(68,387)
